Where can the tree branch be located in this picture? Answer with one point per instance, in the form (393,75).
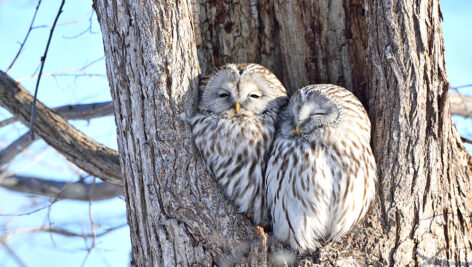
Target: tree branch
(55,230)
(63,190)
(82,111)
(466,140)
(9,153)
(5,122)
(460,104)
(43,60)
(26,38)
(75,112)
(79,149)
(85,111)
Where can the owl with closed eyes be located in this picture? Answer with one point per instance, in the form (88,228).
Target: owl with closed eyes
(234,129)
(321,173)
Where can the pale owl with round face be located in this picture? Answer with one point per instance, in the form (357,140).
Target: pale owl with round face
(234,129)
(321,173)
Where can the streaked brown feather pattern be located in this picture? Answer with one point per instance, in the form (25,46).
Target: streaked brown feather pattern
(321,183)
(235,144)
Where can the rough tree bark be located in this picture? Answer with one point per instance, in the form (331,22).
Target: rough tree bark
(302,42)
(390,54)
(176,212)
(425,208)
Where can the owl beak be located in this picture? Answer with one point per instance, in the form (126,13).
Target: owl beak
(236,107)
(297,129)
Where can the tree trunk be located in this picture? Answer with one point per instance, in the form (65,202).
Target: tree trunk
(389,54)
(176,212)
(302,42)
(425,209)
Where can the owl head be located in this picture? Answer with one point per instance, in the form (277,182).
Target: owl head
(241,90)
(312,112)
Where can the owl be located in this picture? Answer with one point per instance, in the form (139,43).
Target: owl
(234,129)
(321,173)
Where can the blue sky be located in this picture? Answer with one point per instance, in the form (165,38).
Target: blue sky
(457,30)
(65,53)
(68,53)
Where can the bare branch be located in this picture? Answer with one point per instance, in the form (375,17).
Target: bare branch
(92,226)
(86,111)
(89,29)
(12,150)
(13,254)
(65,73)
(8,121)
(79,149)
(461,86)
(69,72)
(43,60)
(26,38)
(62,190)
(81,111)
(55,230)
(460,104)
(65,23)
(76,112)
(466,140)
(51,202)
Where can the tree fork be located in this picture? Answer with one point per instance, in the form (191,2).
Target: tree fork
(390,55)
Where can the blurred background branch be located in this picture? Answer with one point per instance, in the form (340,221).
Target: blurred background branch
(460,104)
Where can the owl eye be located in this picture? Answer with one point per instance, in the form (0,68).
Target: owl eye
(223,95)
(254,96)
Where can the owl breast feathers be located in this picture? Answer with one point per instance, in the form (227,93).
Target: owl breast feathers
(234,129)
(321,172)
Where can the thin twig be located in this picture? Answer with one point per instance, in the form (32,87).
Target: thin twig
(65,73)
(69,72)
(103,258)
(57,198)
(43,60)
(462,86)
(26,37)
(50,225)
(65,23)
(92,222)
(89,29)
(30,212)
(92,226)
(13,254)
(86,258)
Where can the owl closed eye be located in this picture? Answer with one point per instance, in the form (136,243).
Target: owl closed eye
(321,172)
